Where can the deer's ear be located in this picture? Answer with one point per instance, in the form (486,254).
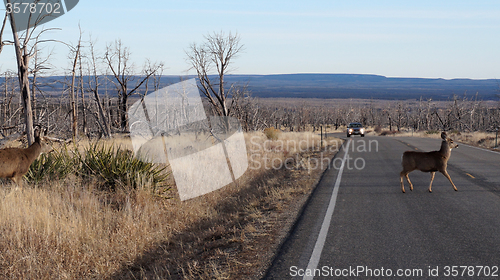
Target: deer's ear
(443,135)
(36,131)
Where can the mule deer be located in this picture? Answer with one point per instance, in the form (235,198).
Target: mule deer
(15,162)
(428,162)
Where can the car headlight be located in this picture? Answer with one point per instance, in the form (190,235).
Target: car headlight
(350,129)
(362,130)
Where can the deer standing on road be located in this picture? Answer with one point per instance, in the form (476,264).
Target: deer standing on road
(15,162)
(428,162)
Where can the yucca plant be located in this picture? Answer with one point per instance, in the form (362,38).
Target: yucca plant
(118,167)
(55,165)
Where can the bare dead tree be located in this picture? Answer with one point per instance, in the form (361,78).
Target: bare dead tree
(82,94)
(23,56)
(117,58)
(399,115)
(2,42)
(8,89)
(25,48)
(244,106)
(40,65)
(93,87)
(75,58)
(215,54)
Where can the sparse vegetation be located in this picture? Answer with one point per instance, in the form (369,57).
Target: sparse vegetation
(272,133)
(56,165)
(118,167)
(111,167)
(70,227)
(432,132)
(94,211)
(388,132)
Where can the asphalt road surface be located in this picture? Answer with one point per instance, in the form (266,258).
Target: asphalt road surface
(359,225)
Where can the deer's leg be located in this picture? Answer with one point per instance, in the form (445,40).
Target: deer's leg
(445,173)
(432,179)
(409,182)
(405,174)
(401,177)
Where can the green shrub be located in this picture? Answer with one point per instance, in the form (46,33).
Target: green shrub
(118,167)
(55,165)
(112,167)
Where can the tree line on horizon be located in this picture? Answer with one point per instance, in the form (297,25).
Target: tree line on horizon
(82,109)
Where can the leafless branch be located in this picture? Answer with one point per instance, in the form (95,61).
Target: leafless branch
(217,53)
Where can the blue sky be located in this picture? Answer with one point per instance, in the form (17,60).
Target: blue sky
(438,39)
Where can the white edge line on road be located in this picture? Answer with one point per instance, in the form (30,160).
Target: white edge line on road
(482,149)
(460,143)
(320,242)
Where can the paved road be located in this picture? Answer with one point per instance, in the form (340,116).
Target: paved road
(372,229)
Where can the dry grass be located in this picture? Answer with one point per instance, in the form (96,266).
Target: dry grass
(71,230)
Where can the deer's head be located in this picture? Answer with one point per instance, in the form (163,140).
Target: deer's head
(449,142)
(39,138)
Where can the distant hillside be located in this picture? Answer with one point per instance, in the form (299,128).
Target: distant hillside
(330,86)
(364,86)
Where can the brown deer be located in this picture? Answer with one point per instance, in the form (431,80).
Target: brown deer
(428,162)
(15,162)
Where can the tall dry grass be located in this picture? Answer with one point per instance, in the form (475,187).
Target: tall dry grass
(69,232)
(71,229)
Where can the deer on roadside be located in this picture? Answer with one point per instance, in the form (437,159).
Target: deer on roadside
(15,162)
(428,162)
